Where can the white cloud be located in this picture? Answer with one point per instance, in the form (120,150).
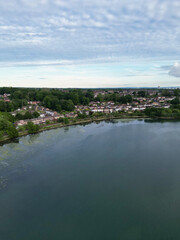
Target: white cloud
(88,32)
(175,70)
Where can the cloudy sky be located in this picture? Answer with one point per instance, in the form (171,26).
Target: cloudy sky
(89,43)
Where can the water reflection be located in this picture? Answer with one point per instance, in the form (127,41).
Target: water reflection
(150,120)
(34,137)
(16,140)
(115,180)
(66,129)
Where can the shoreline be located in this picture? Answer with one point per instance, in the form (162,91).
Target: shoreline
(79,122)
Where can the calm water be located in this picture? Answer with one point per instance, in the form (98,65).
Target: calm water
(112,180)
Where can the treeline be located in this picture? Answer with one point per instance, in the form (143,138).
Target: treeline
(115,97)
(54,99)
(13,105)
(27,115)
(162,112)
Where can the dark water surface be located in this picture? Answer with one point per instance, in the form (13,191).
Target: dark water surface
(103,181)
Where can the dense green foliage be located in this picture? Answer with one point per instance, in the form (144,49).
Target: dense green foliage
(6,121)
(12,132)
(6,125)
(32,128)
(54,99)
(175,101)
(162,112)
(13,105)
(27,115)
(63,120)
(142,93)
(60,120)
(166,93)
(115,97)
(82,115)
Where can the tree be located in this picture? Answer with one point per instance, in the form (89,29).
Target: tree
(82,115)
(60,120)
(166,93)
(63,120)
(19,116)
(4,124)
(32,128)
(141,93)
(99,98)
(1,134)
(67,105)
(66,120)
(2,106)
(8,116)
(58,107)
(17,95)
(12,132)
(47,101)
(74,97)
(175,101)
(85,101)
(177,92)
(36,114)
(28,115)
(89,94)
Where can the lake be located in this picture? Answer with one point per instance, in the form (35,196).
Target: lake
(114,180)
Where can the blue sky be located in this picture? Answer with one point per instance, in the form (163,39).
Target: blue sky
(83,43)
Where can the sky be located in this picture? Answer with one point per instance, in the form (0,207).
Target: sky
(90,43)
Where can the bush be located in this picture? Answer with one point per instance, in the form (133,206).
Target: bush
(32,128)
(82,115)
(19,116)
(12,132)
(1,134)
(28,115)
(66,120)
(63,120)
(21,128)
(60,120)
(36,114)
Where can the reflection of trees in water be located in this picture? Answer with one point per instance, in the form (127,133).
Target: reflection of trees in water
(97,122)
(66,129)
(3,182)
(160,120)
(114,121)
(16,140)
(33,137)
(3,165)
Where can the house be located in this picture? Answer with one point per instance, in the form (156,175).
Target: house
(155,104)
(56,117)
(61,116)
(21,123)
(106,110)
(6,99)
(87,112)
(33,102)
(71,115)
(49,113)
